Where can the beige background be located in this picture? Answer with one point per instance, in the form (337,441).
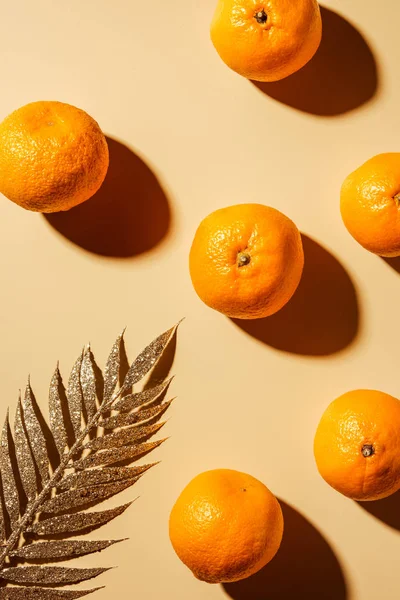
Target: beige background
(248,400)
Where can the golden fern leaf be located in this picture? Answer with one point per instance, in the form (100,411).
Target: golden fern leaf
(40,499)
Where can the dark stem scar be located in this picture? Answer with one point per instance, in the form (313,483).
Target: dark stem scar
(367,450)
(261,16)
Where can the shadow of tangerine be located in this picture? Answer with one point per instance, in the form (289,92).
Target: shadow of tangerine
(394,263)
(322,317)
(386,510)
(342,75)
(305,567)
(129,215)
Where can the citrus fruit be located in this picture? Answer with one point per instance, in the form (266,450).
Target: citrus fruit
(266,40)
(225,525)
(357,445)
(246,260)
(370,204)
(53,156)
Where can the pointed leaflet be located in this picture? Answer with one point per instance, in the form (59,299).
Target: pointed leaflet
(111,372)
(49,575)
(133,401)
(2,523)
(129,435)
(74,395)
(56,413)
(37,440)
(25,461)
(147,359)
(105,475)
(88,383)
(10,491)
(84,496)
(35,593)
(61,550)
(136,417)
(109,457)
(78,522)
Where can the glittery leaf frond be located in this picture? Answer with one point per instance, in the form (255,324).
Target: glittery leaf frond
(147,359)
(57,424)
(95,432)
(75,397)
(70,524)
(10,490)
(36,593)
(88,383)
(135,417)
(128,435)
(110,457)
(111,372)
(99,476)
(49,575)
(132,401)
(36,436)
(61,550)
(84,496)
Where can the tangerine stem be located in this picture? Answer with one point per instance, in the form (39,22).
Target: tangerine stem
(243,259)
(261,16)
(367,450)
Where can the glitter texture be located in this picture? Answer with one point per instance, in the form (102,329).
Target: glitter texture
(76,522)
(84,496)
(25,462)
(111,372)
(62,550)
(56,413)
(135,417)
(88,384)
(49,575)
(75,398)
(37,441)
(54,490)
(109,457)
(147,359)
(10,492)
(2,524)
(99,476)
(35,593)
(133,401)
(124,437)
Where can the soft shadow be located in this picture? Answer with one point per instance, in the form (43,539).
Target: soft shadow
(304,568)
(322,317)
(129,215)
(394,263)
(342,75)
(386,510)
(164,364)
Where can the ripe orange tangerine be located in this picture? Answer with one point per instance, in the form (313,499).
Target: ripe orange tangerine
(357,445)
(266,40)
(246,260)
(370,204)
(53,156)
(225,525)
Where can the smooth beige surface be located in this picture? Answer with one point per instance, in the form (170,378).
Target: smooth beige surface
(148,73)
